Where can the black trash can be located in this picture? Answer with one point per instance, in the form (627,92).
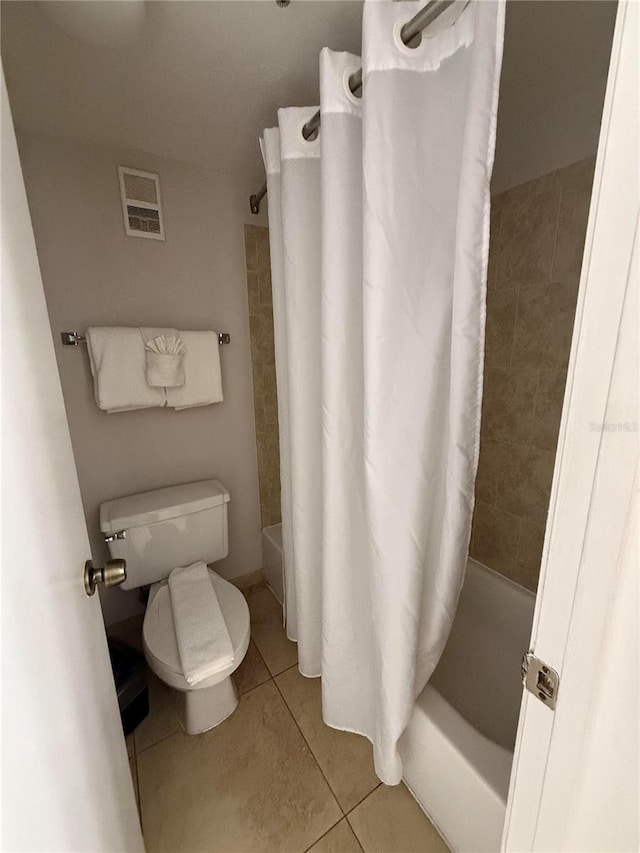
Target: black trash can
(130,676)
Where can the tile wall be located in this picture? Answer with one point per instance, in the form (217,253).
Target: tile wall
(264,372)
(537,238)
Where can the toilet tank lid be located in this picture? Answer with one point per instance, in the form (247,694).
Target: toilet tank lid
(161,504)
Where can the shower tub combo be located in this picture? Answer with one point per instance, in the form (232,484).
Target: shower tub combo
(458,749)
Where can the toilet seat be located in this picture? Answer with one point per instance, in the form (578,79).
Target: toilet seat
(159,637)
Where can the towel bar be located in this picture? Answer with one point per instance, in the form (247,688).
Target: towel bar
(72,339)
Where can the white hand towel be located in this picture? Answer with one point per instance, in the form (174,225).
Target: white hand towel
(202,368)
(204,644)
(116,356)
(164,355)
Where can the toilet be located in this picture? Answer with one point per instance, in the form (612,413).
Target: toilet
(155,532)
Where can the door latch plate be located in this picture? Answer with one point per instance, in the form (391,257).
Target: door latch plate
(540,679)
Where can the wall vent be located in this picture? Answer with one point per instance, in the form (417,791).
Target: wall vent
(141,203)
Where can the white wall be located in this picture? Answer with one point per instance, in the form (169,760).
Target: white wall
(554,73)
(94,275)
(532,144)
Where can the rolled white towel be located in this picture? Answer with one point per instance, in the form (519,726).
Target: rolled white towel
(204,644)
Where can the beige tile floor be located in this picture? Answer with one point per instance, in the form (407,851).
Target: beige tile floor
(272,777)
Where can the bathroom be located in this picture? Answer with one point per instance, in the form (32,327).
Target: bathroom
(178,95)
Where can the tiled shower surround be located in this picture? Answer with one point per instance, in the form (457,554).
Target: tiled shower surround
(264,371)
(537,238)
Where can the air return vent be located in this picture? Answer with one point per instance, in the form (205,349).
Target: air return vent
(141,203)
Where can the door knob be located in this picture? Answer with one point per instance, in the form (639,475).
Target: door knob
(114,573)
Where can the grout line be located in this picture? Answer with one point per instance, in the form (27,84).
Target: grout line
(366,796)
(255,687)
(555,234)
(162,739)
(345,813)
(313,755)
(135,759)
(351,827)
(535,408)
(333,826)
(498,250)
(515,326)
(139,803)
(500,509)
(260,655)
(137,785)
(282,671)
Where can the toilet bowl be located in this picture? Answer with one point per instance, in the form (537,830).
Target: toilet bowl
(155,532)
(208,703)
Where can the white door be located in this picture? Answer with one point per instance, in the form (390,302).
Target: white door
(65,775)
(574,783)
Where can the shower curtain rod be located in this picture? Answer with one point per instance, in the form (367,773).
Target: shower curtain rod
(408,33)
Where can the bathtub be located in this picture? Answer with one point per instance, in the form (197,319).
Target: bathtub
(458,748)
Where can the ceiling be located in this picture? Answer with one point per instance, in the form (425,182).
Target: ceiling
(199,80)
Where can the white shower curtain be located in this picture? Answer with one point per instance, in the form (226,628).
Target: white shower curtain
(379,234)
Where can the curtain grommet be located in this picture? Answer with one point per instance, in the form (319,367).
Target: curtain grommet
(308,143)
(400,45)
(447,20)
(353,99)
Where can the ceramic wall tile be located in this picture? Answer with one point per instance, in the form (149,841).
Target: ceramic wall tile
(537,239)
(495,536)
(253,290)
(544,325)
(491,455)
(549,399)
(250,247)
(494,244)
(508,406)
(264,375)
(524,482)
(527,235)
(501,320)
(527,565)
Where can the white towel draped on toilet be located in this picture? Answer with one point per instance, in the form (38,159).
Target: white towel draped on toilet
(204,644)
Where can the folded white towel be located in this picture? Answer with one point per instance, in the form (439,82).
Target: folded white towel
(164,354)
(116,355)
(202,368)
(204,644)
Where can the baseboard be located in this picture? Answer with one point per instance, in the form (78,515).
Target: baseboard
(246,581)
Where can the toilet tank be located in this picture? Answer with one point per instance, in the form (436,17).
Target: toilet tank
(159,530)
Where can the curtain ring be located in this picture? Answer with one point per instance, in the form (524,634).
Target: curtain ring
(355,99)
